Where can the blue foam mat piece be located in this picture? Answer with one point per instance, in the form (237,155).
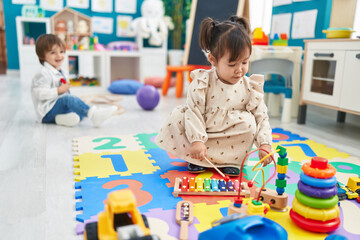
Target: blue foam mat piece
(93,194)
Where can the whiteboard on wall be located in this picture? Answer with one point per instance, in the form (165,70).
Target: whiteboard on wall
(102,6)
(52,5)
(78,3)
(280,24)
(304,24)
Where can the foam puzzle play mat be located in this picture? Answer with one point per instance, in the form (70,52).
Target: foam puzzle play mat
(314,192)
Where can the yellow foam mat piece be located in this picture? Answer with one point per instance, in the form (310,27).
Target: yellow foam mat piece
(94,165)
(294,232)
(296,153)
(206,214)
(100,144)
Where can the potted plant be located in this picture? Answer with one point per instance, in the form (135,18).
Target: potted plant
(179,11)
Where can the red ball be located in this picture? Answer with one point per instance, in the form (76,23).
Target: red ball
(226,178)
(250,184)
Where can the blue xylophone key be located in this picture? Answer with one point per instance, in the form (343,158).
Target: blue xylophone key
(214,185)
(222,185)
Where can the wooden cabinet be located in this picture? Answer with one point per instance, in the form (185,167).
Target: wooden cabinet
(331,76)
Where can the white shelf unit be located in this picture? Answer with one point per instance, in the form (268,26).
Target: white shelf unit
(90,64)
(107,66)
(123,65)
(28,61)
(153,59)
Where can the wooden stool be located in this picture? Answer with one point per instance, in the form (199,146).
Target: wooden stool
(179,78)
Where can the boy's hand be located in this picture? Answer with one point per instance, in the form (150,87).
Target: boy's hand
(262,154)
(63,88)
(198,150)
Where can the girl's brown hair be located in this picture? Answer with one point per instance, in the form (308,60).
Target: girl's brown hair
(232,35)
(45,43)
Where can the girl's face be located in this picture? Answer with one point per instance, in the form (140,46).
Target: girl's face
(231,72)
(55,56)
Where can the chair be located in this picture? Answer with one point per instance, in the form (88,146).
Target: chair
(179,70)
(179,78)
(282,67)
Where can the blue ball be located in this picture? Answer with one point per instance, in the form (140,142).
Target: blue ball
(148,97)
(280,191)
(281,176)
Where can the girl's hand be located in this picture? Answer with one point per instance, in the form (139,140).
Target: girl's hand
(262,154)
(63,88)
(198,150)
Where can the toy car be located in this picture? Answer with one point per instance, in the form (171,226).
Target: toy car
(120,220)
(341,193)
(354,184)
(350,194)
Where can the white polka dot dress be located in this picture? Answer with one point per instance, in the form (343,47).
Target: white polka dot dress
(229,119)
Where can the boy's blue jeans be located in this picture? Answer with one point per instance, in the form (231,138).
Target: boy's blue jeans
(67,104)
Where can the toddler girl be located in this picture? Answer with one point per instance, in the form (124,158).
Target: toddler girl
(224,112)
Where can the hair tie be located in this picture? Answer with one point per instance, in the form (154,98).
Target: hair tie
(213,24)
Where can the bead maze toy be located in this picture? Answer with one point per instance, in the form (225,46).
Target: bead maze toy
(184,217)
(257,207)
(315,206)
(277,199)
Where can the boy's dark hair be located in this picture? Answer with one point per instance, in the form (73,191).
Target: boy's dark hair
(45,43)
(232,35)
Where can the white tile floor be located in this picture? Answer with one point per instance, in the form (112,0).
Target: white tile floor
(36,167)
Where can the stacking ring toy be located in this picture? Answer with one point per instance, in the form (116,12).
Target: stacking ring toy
(315,213)
(317,192)
(328,172)
(316,202)
(315,226)
(317,182)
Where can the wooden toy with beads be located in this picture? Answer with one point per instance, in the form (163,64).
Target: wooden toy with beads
(277,199)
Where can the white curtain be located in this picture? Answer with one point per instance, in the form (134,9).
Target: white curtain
(356,26)
(260,14)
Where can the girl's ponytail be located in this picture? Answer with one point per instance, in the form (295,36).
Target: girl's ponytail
(242,22)
(205,37)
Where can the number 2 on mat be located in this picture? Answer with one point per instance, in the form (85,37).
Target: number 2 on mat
(109,145)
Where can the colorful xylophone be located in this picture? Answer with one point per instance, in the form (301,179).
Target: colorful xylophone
(213,186)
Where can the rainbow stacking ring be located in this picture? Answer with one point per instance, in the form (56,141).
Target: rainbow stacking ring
(317,182)
(315,226)
(327,171)
(316,202)
(317,192)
